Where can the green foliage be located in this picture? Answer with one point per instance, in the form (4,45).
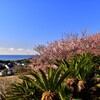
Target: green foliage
(86,76)
(23,91)
(50,81)
(82,64)
(63,94)
(39,82)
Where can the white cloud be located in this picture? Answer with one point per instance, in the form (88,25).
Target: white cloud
(3,49)
(18,51)
(11,49)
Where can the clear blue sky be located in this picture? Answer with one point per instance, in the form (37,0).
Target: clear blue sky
(25,23)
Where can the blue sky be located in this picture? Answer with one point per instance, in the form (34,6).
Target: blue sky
(26,23)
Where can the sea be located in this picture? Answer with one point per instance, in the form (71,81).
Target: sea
(15,57)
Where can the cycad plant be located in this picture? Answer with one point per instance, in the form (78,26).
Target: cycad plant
(49,84)
(80,82)
(24,90)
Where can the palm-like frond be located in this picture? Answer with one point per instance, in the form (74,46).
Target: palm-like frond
(22,91)
(50,81)
(46,82)
(82,64)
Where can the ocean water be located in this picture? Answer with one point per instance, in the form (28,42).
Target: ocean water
(15,57)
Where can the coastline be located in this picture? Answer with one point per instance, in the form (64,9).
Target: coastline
(15,57)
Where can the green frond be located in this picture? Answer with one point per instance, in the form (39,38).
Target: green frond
(38,82)
(44,79)
(51,73)
(65,75)
(57,76)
